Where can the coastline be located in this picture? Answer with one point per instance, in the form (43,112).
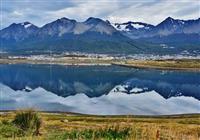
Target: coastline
(168,64)
(158,67)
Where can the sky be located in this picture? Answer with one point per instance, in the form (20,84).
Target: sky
(40,12)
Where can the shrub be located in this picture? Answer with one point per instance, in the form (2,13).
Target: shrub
(29,121)
(5,122)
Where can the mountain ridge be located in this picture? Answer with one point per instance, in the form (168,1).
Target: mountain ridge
(93,35)
(99,36)
(166,27)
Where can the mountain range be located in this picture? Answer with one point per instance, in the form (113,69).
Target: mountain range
(98,36)
(167,27)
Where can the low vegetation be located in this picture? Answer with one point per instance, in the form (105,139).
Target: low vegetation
(182,64)
(28,121)
(111,133)
(62,126)
(24,123)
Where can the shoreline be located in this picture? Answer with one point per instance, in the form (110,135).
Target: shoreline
(187,115)
(179,64)
(157,67)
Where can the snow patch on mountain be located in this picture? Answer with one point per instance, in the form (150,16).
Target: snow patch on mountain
(27,25)
(131,26)
(136,90)
(137,26)
(120,27)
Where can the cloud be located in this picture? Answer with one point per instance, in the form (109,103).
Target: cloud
(42,12)
(87,9)
(16,13)
(155,12)
(33,11)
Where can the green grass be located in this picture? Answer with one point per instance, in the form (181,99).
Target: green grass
(24,123)
(9,130)
(28,121)
(179,64)
(110,133)
(62,126)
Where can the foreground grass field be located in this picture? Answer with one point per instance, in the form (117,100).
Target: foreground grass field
(63,126)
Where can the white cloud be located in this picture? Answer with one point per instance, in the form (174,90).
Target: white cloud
(86,9)
(155,12)
(117,11)
(17,13)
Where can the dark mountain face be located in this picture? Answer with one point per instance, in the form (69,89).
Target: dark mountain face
(93,21)
(64,27)
(57,28)
(18,32)
(98,25)
(173,26)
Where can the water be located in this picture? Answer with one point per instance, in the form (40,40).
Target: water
(99,89)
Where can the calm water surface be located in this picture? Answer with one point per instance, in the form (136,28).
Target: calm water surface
(99,89)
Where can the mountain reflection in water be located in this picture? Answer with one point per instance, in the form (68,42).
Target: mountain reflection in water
(95,81)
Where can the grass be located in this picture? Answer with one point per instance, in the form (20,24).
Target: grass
(181,64)
(108,133)
(24,123)
(62,126)
(28,121)
(8,130)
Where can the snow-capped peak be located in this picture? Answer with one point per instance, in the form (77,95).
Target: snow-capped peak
(129,26)
(26,24)
(137,26)
(120,27)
